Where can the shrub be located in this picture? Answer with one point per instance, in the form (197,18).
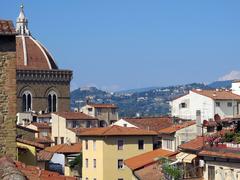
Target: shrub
(229,137)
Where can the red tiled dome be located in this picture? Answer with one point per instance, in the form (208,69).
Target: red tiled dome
(31,54)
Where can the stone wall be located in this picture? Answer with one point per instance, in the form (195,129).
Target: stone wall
(8,104)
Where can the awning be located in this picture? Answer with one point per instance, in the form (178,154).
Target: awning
(180,156)
(189,158)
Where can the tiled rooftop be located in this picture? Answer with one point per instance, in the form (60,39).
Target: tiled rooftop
(151,123)
(35,144)
(176,127)
(218,95)
(193,145)
(75,116)
(148,158)
(116,131)
(65,148)
(6,27)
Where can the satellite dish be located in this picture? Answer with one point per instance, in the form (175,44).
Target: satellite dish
(217,118)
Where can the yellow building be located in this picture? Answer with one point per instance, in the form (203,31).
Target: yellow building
(105,149)
(27,151)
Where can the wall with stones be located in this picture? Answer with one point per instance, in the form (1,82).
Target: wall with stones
(8,103)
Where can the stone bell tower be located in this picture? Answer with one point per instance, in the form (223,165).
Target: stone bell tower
(7,89)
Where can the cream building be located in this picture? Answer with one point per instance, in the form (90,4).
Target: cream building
(177,134)
(64,125)
(106,113)
(222,164)
(105,149)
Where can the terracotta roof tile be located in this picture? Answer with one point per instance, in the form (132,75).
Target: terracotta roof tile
(102,105)
(176,127)
(194,145)
(37,56)
(65,148)
(117,131)
(26,128)
(75,116)
(220,154)
(151,123)
(33,173)
(18,170)
(41,125)
(6,27)
(35,144)
(148,158)
(43,140)
(44,155)
(218,95)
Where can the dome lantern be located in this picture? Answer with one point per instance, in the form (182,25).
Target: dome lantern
(22,23)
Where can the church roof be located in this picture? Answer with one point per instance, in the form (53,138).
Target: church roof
(30,53)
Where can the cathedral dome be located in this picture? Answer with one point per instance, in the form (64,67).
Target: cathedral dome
(30,53)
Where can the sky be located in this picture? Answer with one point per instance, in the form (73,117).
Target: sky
(116,45)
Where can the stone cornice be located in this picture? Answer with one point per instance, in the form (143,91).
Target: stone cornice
(44,75)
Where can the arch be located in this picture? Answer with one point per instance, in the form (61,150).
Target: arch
(52,99)
(26,101)
(54,89)
(26,88)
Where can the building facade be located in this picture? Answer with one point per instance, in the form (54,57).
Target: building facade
(64,125)
(106,113)
(41,85)
(105,149)
(225,103)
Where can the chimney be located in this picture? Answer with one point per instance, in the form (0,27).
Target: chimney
(199,123)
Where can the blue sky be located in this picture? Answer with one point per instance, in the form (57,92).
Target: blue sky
(136,43)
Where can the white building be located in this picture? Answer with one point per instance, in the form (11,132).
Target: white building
(177,134)
(207,103)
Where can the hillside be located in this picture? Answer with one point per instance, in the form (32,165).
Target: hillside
(151,102)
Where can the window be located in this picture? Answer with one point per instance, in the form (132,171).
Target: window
(169,144)
(27,101)
(55,140)
(113,111)
(120,178)
(86,163)
(88,124)
(52,102)
(140,144)
(183,105)
(90,109)
(86,144)
(120,163)
(217,104)
(211,173)
(94,163)
(120,144)
(62,140)
(98,111)
(86,178)
(229,104)
(124,125)
(94,145)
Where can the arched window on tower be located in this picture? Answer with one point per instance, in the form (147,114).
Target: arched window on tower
(52,102)
(26,101)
